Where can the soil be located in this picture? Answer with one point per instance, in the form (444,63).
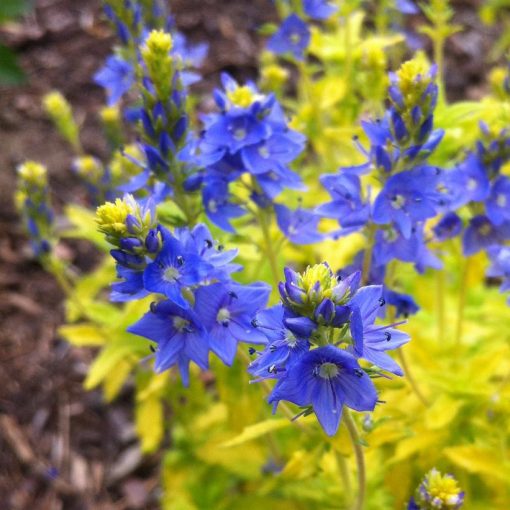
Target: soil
(62,447)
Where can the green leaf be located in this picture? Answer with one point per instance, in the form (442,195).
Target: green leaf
(10,72)
(10,9)
(259,429)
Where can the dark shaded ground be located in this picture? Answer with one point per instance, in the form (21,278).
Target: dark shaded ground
(46,418)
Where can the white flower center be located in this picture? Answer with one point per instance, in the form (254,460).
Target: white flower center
(171,274)
(223,315)
(328,370)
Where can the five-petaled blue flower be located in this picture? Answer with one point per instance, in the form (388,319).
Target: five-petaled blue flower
(180,336)
(292,38)
(227,312)
(117,76)
(326,378)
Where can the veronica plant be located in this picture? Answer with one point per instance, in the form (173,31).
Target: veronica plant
(172,310)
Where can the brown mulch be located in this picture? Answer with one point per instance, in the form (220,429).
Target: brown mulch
(62,447)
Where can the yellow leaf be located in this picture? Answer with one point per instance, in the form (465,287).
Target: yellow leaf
(149,423)
(481,461)
(410,446)
(83,334)
(259,429)
(442,412)
(115,379)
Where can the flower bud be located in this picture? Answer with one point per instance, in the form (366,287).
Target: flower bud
(61,113)
(437,492)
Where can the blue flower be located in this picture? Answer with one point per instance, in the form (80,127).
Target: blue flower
(376,339)
(319,9)
(132,286)
(117,76)
(200,242)
(300,225)
(404,304)
(174,269)
(326,378)
(482,234)
(236,130)
(448,227)
(347,205)
(390,244)
(498,204)
(406,7)
(227,312)
(279,149)
(500,266)
(218,206)
(180,336)
(406,198)
(465,183)
(284,347)
(293,37)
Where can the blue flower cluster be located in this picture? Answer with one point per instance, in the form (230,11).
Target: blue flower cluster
(293,36)
(202,309)
(33,204)
(249,136)
(479,183)
(315,338)
(133,20)
(400,144)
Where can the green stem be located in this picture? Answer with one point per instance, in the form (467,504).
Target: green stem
(367,255)
(269,251)
(439,60)
(360,459)
(409,376)
(344,472)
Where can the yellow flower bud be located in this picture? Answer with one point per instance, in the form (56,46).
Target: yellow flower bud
(61,113)
(158,43)
(110,115)
(243,97)
(33,173)
(111,217)
(89,168)
(123,167)
(274,77)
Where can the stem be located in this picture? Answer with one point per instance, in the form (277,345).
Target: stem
(410,378)
(439,59)
(360,459)
(462,302)
(271,255)
(344,472)
(367,256)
